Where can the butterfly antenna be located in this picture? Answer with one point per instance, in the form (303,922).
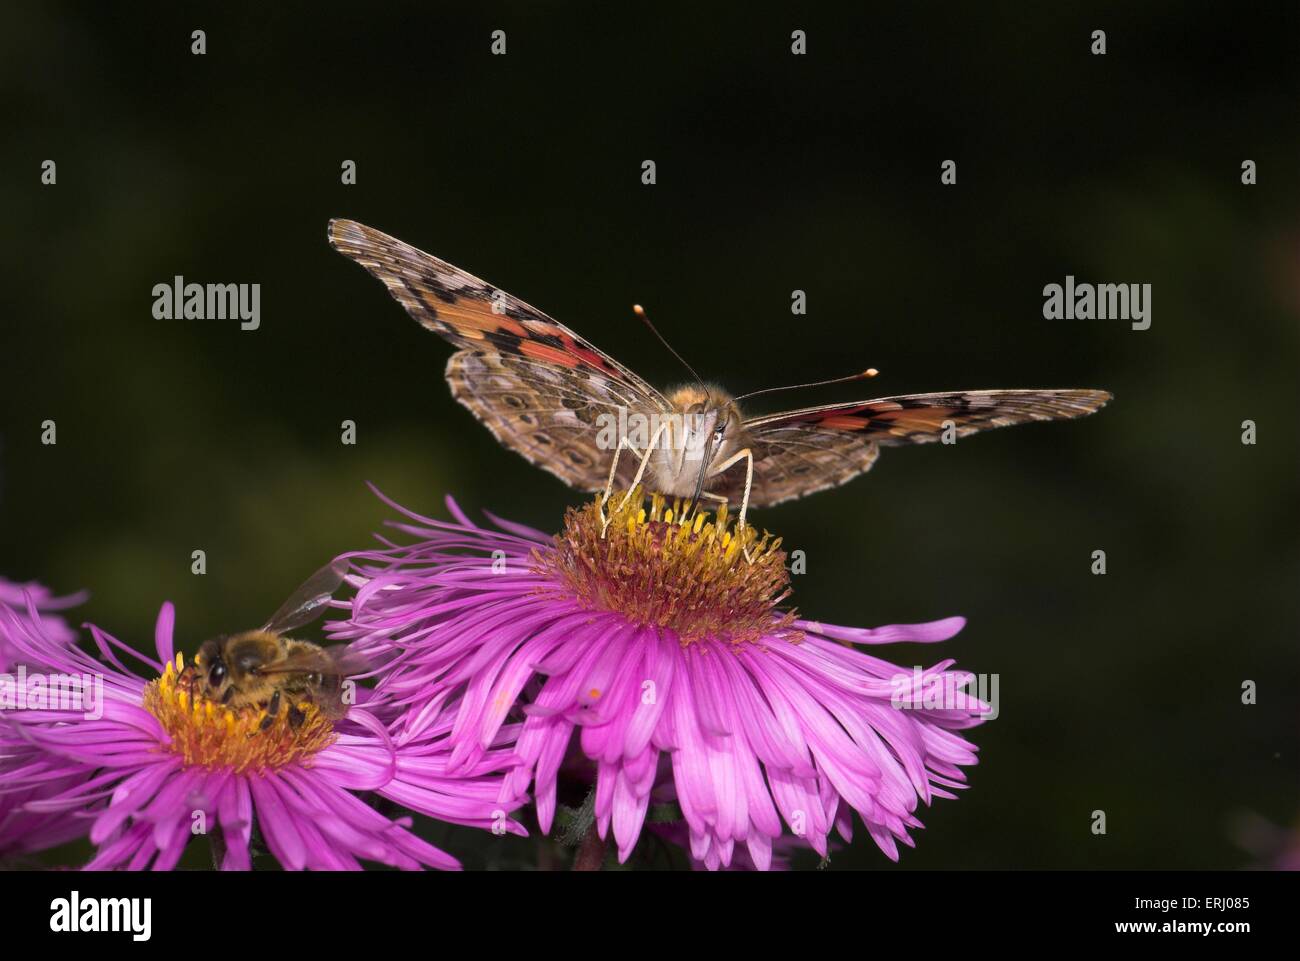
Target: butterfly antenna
(640,312)
(869,372)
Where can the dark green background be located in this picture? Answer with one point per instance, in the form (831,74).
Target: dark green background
(775,172)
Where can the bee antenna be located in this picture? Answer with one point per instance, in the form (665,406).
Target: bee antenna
(869,372)
(640,312)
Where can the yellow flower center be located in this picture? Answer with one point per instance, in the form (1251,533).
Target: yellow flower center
(211,735)
(664,565)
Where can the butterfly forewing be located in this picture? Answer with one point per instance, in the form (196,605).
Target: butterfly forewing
(917,418)
(800,452)
(539,387)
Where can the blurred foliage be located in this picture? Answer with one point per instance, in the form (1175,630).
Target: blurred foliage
(775,172)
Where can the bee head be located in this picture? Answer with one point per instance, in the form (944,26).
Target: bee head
(225,663)
(213,672)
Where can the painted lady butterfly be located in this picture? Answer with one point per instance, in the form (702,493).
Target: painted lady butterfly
(550,395)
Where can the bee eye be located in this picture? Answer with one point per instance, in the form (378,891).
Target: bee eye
(217,674)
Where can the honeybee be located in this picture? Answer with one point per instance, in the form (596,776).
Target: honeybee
(264,669)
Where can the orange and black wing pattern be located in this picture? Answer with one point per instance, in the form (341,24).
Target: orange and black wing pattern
(536,385)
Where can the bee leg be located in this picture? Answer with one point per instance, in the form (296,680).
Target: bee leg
(296,717)
(272,708)
(230,692)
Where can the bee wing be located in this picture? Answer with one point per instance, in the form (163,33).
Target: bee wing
(308,602)
(341,661)
(333,664)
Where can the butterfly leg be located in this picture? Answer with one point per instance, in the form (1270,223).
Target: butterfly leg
(717,498)
(609,486)
(748,456)
(645,459)
(640,472)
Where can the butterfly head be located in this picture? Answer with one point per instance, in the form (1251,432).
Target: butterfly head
(710,418)
(705,429)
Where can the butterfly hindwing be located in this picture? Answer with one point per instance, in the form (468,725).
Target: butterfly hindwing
(549,414)
(796,460)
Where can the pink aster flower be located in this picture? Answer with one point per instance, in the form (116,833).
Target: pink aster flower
(23,831)
(46,606)
(657,651)
(159,760)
